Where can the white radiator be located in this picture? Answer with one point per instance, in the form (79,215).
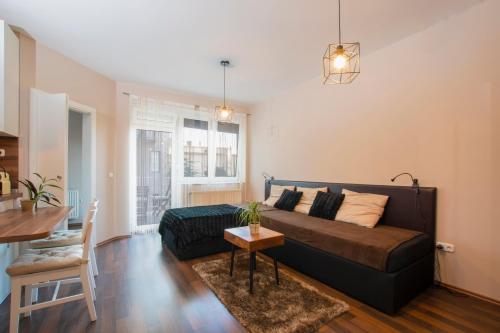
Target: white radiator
(198,198)
(74,201)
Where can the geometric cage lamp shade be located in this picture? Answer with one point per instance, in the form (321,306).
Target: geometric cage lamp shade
(224,113)
(341,63)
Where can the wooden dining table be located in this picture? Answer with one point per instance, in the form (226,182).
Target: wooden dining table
(19,226)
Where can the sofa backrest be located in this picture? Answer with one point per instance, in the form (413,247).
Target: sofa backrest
(405,209)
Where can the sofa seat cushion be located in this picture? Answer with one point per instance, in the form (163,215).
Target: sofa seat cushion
(59,238)
(371,247)
(43,260)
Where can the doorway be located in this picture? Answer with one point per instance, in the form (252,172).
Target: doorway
(80,192)
(153,178)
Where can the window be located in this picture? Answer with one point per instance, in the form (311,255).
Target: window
(195,148)
(226,145)
(181,157)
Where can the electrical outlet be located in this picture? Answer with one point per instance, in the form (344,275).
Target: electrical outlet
(2,152)
(446,247)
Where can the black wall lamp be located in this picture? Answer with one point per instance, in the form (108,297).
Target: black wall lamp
(267,177)
(414,181)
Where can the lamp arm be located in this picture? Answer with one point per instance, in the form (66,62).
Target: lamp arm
(267,177)
(414,181)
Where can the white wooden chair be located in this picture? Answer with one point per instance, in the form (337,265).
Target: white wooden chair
(70,237)
(48,266)
(31,291)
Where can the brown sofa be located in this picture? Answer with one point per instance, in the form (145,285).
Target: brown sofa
(385,266)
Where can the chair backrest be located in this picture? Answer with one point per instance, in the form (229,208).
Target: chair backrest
(86,239)
(94,203)
(89,219)
(92,207)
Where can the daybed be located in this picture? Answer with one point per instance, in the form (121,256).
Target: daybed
(385,266)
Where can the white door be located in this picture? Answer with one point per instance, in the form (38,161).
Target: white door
(48,142)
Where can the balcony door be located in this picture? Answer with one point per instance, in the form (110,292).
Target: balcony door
(154,177)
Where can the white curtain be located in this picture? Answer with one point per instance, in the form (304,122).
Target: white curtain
(181,156)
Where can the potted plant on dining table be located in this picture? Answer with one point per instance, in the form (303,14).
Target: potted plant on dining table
(40,193)
(251,217)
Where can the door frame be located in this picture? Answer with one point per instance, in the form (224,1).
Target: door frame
(133,170)
(91,112)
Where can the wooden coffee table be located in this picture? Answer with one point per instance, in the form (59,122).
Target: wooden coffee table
(242,238)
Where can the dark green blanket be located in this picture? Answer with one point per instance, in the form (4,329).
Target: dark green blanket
(191,225)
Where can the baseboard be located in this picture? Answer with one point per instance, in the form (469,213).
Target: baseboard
(107,241)
(467,292)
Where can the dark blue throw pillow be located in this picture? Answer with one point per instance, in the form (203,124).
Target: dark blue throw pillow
(288,200)
(326,205)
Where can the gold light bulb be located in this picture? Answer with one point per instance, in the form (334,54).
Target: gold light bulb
(339,59)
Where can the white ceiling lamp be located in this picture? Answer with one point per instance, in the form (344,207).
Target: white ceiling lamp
(341,61)
(224,113)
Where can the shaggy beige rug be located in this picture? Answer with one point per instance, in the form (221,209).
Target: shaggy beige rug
(293,306)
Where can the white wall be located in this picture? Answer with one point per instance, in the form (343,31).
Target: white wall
(428,104)
(58,74)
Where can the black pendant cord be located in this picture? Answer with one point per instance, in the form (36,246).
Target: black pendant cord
(340,31)
(224,86)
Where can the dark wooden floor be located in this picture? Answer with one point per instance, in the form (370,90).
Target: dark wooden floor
(144,289)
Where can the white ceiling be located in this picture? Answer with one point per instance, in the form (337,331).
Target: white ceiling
(177,44)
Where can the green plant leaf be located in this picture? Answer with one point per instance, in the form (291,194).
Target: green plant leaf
(50,203)
(24,183)
(30,192)
(32,186)
(56,200)
(250,214)
(54,185)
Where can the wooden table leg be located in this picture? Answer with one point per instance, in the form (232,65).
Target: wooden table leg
(255,261)
(276,271)
(250,266)
(232,261)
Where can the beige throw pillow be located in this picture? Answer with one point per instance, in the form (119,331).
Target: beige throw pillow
(364,209)
(275,194)
(307,199)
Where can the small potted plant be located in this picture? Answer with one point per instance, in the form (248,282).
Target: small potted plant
(251,216)
(40,193)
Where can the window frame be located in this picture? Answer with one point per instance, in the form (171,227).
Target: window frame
(216,131)
(212,151)
(181,142)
